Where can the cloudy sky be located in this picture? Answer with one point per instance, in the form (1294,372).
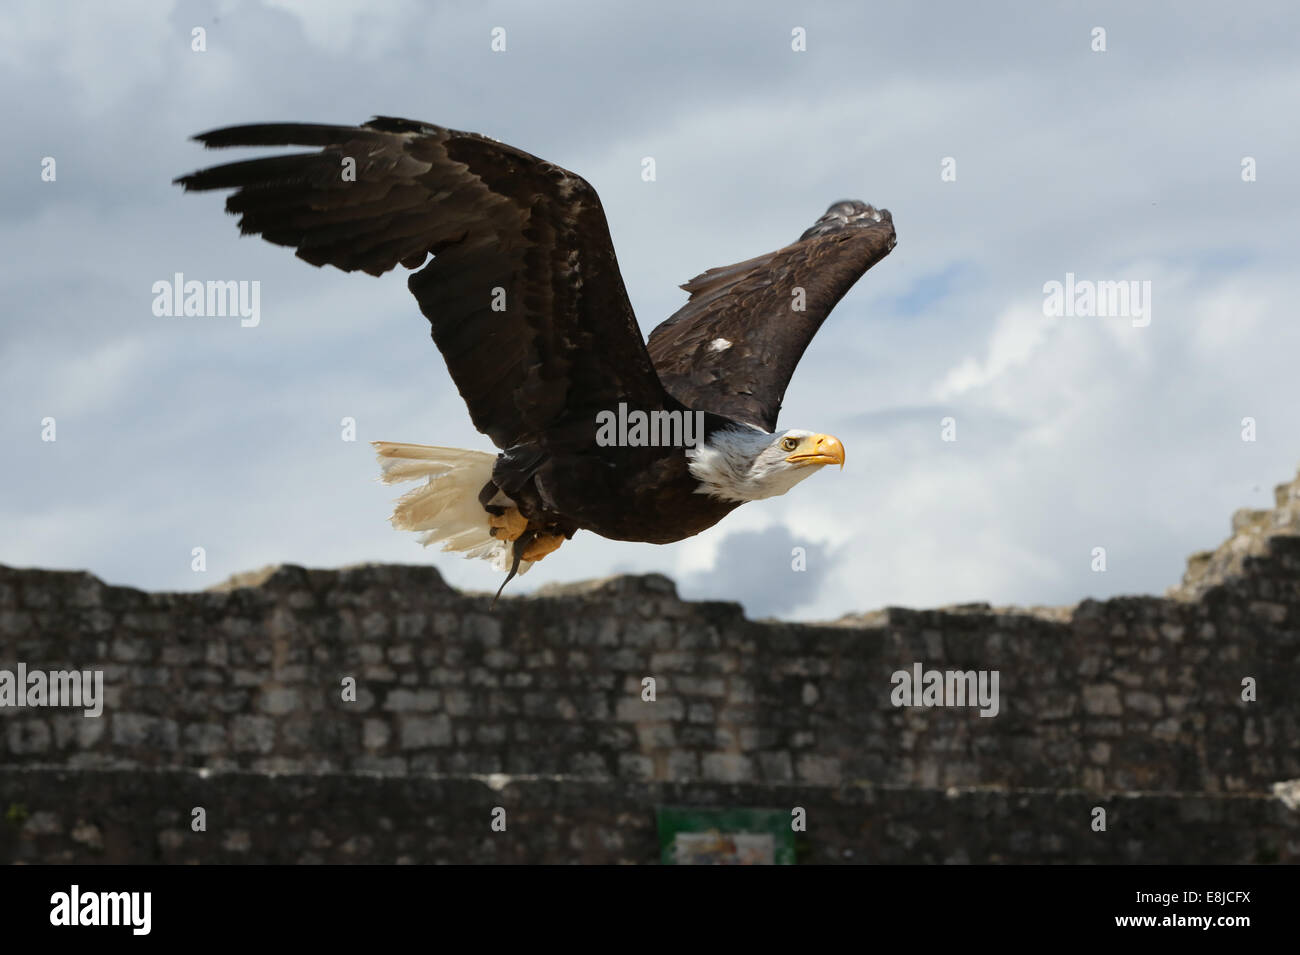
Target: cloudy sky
(1072,432)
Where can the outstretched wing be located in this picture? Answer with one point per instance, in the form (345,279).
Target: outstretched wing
(732,348)
(524,292)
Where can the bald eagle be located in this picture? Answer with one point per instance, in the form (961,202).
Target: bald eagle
(597,428)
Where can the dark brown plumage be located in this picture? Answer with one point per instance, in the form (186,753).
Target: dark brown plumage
(503,225)
(752,305)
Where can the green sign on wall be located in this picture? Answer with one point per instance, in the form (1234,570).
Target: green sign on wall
(693,836)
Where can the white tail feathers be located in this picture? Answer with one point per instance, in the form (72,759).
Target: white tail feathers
(446,509)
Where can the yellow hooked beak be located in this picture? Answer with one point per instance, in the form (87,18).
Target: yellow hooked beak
(817,449)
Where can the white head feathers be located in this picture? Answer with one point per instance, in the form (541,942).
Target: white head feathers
(748,464)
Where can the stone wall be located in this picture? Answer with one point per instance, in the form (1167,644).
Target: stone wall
(126,816)
(1133,694)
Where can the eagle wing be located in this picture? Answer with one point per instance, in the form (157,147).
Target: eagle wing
(732,348)
(524,293)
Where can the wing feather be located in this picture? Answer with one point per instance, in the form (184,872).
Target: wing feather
(752,306)
(502,226)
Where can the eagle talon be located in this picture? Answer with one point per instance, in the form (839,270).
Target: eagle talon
(542,545)
(508,525)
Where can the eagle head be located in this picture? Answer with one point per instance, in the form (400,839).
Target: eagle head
(747,464)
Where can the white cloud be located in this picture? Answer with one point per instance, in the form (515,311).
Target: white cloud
(1072,433)
(355,28)
(1017,335)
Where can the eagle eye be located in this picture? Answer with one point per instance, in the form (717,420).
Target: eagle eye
(789,444)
